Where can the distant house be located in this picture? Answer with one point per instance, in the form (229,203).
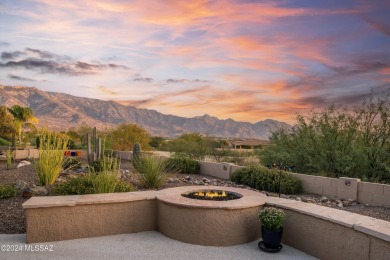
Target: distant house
(249,143)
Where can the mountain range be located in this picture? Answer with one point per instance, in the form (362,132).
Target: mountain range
(62,111)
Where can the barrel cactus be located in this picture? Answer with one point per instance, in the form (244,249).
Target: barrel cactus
(136,151)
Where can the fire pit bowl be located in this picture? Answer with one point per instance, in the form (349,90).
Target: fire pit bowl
(210,222)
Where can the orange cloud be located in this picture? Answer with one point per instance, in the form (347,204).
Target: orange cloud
(247,105)
(107,91)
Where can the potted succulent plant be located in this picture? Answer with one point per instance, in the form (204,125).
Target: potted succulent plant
(272,221)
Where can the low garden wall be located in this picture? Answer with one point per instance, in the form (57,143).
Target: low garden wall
(123,155)
(22,154)
(322,232)
(34,153)
(345,188)
(328,233)
(80,216)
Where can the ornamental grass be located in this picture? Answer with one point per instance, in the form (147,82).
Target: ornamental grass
(52,148)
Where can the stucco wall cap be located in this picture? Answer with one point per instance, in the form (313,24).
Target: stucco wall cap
(52,201)
(334,215)
(249,198)
(375,227)
(73,200)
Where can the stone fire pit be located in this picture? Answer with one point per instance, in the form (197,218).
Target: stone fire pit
(208,222)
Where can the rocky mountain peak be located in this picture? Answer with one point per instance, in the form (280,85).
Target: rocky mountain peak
(62,111)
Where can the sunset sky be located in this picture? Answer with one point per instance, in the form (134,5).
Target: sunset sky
(245,60)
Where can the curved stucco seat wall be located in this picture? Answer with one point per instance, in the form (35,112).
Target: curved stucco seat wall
(322,232)
(209,223)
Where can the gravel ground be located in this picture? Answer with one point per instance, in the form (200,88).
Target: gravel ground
(12,219)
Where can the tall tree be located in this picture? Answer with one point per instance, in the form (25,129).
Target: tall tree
(125,135)
(23,117)
(6,121)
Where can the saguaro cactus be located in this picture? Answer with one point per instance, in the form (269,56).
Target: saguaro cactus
(136,151)
(94,149)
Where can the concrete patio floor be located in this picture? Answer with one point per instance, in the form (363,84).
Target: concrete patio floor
(144,245)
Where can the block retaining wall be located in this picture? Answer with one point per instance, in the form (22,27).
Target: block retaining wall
(345,188)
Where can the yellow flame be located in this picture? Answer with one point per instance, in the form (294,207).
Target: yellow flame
(210,194)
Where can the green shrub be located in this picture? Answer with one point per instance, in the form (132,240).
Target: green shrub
(272,218)
(4,142)
(123,186)
(106,178)
(96,165)
(7,191)
(108,163)
(104,182)
(83,185)
(74,186)
(152,171)
(337,142)
(183,165)
(51,155)
(70,162)
(262,178)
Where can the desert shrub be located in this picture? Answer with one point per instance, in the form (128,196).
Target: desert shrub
(51,155)
(104,182)
(71,162)
(7,191)
(96,166)
(123,186)
(262,178)
(100,166)
(156,142)
(337,141)
(125,135)
(4,142)
(83,185)
(151,170)
(191,145)
(106,178)
(183,165)
(74,186)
